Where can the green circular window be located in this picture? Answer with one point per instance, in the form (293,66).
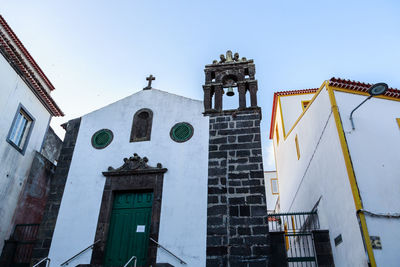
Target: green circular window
(181,132)
(102,138)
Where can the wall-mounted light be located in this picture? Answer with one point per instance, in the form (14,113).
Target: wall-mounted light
(374,90)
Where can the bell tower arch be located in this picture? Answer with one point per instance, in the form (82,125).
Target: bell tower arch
(221,77)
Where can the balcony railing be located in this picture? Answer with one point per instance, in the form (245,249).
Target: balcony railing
(293,222)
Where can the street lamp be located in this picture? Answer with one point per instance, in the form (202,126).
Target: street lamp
(374,90)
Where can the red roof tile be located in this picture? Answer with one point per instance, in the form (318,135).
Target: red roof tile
(11,47)
(14,37)
(296,92)
(335,82)
(360,86)
(285,93)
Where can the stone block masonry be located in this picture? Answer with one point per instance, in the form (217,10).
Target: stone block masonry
(237,227)
(57,185)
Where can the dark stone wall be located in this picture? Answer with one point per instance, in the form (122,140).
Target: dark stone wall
(323,249)
(57,185)
(278,255)
(52,145)
(32,202)
(237,227)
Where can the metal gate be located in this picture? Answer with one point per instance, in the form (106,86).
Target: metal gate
(298,238)
(300,249)
(25,237)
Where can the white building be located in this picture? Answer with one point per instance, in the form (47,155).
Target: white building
(271,191)
(175,134)
(26,108)
(350,176)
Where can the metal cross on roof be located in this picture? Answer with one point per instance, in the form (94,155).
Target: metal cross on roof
(150,79)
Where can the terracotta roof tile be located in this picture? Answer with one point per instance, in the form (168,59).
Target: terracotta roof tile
(296,92)
(335,82)
(360,86)
(14,37)
(12,54)
(285,93)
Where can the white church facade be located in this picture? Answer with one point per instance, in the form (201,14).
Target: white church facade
(163,180)
(348,174)
(182,221)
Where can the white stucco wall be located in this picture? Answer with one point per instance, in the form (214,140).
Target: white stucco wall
(271,198)
(374,148)
(320,174)
(292,108)
(14,166)
(184,204)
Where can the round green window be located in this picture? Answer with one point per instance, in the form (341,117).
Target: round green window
(181,132)
(102,138)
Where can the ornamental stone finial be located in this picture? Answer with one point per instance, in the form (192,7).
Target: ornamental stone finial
(222,58)
(229,56)
(236,57)
(134,163)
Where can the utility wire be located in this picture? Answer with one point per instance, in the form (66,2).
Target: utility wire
(381,215)
(312,156)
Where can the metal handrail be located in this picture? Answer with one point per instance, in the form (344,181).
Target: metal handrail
(158,245)
(133,257)
(292,213)
(47,259)
(79,253)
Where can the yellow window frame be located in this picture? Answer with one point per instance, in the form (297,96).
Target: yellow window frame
(277,186)
(296,140)
(277,134)
(305,103)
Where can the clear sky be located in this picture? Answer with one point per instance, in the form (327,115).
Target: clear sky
(97,52)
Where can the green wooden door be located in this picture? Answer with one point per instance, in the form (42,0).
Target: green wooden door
(129,229)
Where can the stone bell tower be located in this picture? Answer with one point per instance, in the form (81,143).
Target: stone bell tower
(228,73)
(237,226)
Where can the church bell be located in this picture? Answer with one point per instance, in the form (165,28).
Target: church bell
(230,92)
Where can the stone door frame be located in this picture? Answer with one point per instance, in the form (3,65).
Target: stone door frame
(133,176)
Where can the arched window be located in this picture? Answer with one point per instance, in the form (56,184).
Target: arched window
(141,126)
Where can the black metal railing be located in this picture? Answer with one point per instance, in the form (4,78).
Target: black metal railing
(293,222)
(300,250)
(25,237)
(296,228)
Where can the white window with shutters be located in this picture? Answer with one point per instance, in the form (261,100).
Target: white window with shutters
(21,129)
